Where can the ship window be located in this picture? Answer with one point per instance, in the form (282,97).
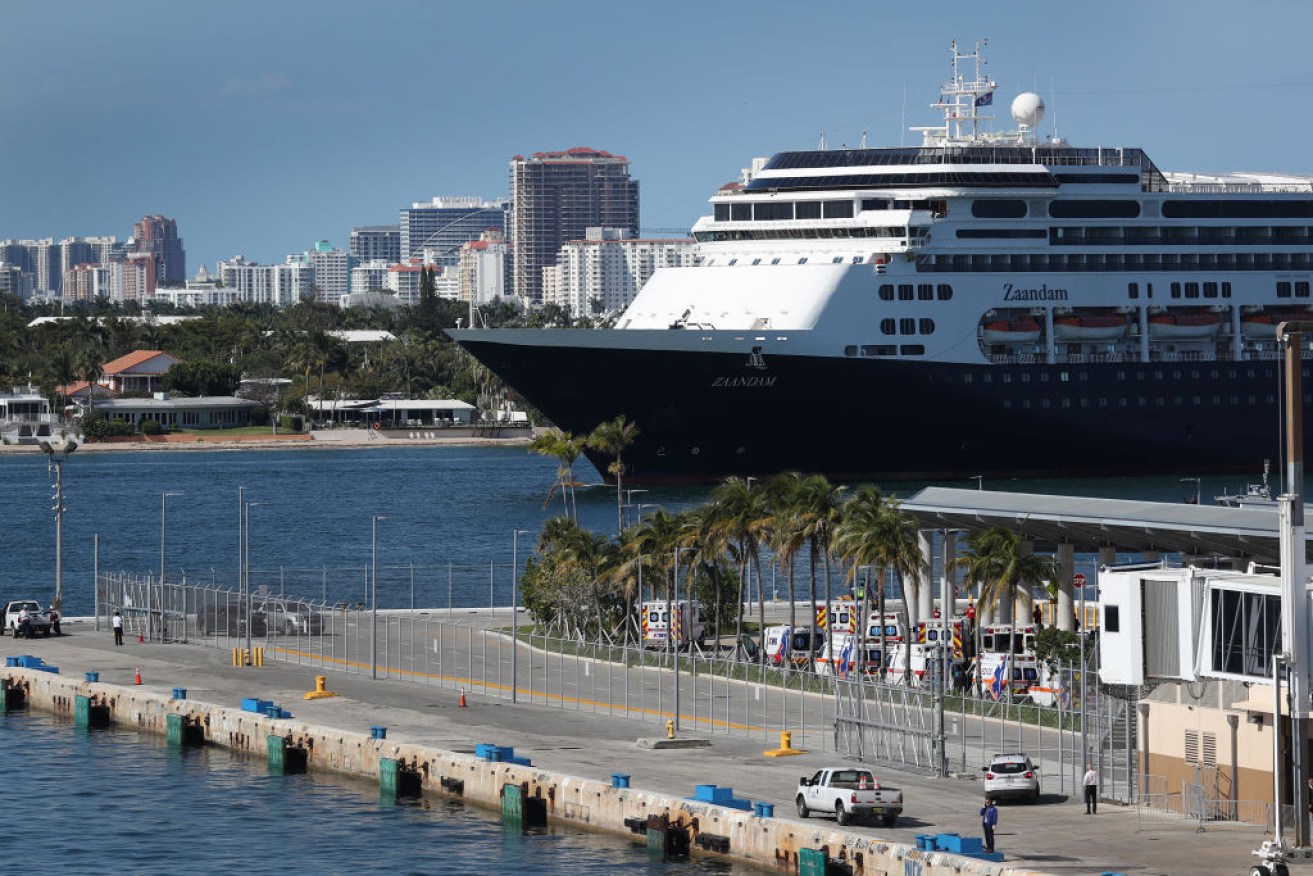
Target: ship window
(1176,290)
(857,260)
(756,261)
(802,261)
(1094,209)
(836,260)
(1121,402)
(772,211)
(1283,289)
(733,261)
(925,291)
(1133,290)
(904,291)
(1246,631)
(987,378)
(1025,404)
(1066,402)
(807,210)
(837,209)
(1045,404)
(1191,290)
(912,350)
(944,291)
(1210,290)
(874,204)
(927,326)
(1025,377)
(1007,404)
(878,350)
(1301,288)
(1142,402)
(1226,289)
(1148,290)
(907,326)
(887,326)
(740,212)
(886,292)
(722,212)
(1044,377)
(850,350)
(774,261)
(998,208)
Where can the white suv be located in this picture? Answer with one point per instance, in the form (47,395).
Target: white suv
(1011,776)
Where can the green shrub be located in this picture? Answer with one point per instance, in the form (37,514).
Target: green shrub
(99,428)
(290,423)
(151,427)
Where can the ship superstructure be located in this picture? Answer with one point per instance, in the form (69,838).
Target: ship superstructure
(983,303)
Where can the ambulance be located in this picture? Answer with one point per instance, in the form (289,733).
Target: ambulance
(847,661)
(786,646)
(928,632)
(655,624)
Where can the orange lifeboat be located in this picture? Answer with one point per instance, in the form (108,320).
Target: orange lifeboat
(1089,327)
(1263,325)
(1011,331)
(1184,326)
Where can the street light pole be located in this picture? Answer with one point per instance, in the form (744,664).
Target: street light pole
(56,453)
(373,597)
(150,619)
(515,611)
(245,572)
(670,633)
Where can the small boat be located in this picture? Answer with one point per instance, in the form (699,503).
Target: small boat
(1090,327)
(1011,331)
(1263,325)
(1183,326)
(1254,496)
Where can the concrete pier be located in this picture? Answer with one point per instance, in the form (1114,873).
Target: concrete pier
(426,733)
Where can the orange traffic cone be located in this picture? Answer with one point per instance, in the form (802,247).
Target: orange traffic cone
(462,699)
(137,680)
(140,636)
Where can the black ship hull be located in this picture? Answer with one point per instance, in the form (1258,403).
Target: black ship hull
(703,416)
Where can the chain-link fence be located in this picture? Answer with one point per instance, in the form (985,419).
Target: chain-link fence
(714,689)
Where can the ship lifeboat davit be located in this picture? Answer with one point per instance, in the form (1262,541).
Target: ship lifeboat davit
(1011,331)
(1090,327)
(1184,326)
(1263,326)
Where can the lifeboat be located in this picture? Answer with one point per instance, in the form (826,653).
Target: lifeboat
(1263,325)
(1011,331)
(1090,327)
(1183,326)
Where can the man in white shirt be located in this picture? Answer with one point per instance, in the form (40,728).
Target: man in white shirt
(1091,783)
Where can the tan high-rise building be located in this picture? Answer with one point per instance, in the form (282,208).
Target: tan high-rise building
(557,197)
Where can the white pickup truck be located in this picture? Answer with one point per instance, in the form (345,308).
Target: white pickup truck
(38,617)
(848,793)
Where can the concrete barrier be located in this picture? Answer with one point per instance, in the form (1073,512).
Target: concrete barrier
(597,805)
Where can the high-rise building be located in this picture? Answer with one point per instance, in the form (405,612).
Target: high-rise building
(606,269)
(445,224)
(159,235)
(267,284)
(482,273)
(375,243)
(332,271)
(557,197)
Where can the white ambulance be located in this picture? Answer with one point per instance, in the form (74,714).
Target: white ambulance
(655,623)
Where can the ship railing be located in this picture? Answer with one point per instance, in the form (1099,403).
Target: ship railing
(1237,188)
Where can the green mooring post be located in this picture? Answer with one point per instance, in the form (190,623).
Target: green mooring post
(811,862)
(283,758)
(88,714)
(183,732)
(512,805)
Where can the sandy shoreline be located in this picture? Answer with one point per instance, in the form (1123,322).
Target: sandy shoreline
(330,439)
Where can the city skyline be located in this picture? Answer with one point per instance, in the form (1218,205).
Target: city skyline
(203,113)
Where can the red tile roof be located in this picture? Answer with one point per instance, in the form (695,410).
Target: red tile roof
(132,360)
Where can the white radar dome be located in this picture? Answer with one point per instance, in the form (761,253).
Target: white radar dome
(1028,109)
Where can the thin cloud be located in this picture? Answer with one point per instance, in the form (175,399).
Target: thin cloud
(269,83)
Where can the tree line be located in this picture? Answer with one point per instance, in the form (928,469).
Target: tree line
(587,586)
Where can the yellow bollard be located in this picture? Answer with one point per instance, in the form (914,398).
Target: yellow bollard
(786,746)
(670,729)
(257,657)
(321,691)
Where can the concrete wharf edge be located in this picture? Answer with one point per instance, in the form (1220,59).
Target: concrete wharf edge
(585,803)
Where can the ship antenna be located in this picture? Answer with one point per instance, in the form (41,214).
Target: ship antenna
(863,146)
(1053,103)
(822,145)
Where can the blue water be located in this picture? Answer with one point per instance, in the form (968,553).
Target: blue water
(448,534)
(115,801)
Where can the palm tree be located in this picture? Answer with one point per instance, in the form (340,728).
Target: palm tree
(90,369)
(817,505)
(999,560)
(566,448)
(788,534)
(739,518)
(611,438)
(853,540)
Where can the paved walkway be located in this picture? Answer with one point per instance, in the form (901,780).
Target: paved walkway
(1054,837)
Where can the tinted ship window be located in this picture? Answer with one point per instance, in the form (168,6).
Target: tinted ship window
(741,212)
(838,209)
(807,210)
(1238,209)
(997,208)
(773,211)
(1094,209)
(722,212)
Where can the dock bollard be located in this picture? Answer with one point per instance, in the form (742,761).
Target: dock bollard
(321,690)
(786,746)
(619,780)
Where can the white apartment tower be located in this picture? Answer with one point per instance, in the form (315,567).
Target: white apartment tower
(610,266)
(482,272)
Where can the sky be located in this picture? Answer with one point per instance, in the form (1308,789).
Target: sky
(263,126)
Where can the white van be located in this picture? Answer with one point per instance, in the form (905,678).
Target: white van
(848,662)
(785,645)
(655,624)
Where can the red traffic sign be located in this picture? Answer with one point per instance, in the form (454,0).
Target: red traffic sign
(1078,579)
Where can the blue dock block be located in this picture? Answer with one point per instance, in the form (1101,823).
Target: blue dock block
(949,842)
(721,797)
(499,754)
(925,842)
(250,704)
(763,810)
(276,712)
(27,661)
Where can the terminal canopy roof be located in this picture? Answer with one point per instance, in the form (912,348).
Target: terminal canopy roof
(1091,523)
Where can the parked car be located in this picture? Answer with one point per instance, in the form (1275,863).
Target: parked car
(293,617)
(38,617)
(221,618)
(1011,776)
(848,793)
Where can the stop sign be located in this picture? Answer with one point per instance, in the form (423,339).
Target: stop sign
(1078,579)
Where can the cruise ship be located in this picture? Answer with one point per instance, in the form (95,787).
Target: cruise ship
(982,304)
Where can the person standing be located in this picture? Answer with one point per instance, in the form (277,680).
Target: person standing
(24,624)
(988,821)
(117,623)
(1091,785)
(54,621)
